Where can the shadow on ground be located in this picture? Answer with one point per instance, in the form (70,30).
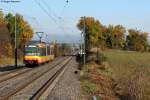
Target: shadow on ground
(9,68)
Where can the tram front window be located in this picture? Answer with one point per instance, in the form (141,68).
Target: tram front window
(31,51)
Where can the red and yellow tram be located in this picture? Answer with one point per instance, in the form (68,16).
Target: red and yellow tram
(38,52)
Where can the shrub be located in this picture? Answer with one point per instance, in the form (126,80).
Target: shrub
(89,87)
(100,57)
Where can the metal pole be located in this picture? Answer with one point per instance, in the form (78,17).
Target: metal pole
(16,63)
(84,59)
(81,45)
(46,49)
(40,35)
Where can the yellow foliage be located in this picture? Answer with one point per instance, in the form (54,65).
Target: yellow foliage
(8,49)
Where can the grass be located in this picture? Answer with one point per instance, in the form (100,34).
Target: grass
(95,83)
(124,75)
(124,63)
(89,87)
(131,72)
(5,61)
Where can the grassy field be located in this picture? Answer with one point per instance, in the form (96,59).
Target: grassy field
(131,72)
(125,75)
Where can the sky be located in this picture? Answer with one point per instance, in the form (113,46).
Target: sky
(58,19)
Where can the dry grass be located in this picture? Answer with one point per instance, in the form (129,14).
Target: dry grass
(139,86)
(130,70)
(97,84)
(5,61)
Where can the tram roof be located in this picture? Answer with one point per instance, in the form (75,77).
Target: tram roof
(37,43)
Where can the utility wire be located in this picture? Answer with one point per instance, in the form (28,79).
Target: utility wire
(64,7)
(58,17)
(49,15)
(54,14)
(45,3)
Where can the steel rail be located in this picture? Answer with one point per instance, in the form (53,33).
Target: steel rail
(25,84)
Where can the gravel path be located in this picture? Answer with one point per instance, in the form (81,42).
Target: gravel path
(68,87)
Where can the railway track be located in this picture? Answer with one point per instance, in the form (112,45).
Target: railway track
(6,73)
(42,90)
(13,74)
(35,76)
(9,75)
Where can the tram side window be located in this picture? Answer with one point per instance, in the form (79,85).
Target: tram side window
(48,50)
(42,51)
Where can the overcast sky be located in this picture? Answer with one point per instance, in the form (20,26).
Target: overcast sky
(58,19)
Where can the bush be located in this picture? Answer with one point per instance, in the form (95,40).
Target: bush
(89,87)
(100,58)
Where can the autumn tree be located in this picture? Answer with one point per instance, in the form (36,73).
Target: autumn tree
(109,36)
(23,29)
(119,35)
(2,21)
(102,37)
(137,40)
(4,33)
(93,31)
(114,36)
(5,43)
(10,21)
(7,33)
(27,33)
(8,49)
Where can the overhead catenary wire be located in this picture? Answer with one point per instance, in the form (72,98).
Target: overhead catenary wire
(53,16)
(58,17)
(66,4)
(49,15)
(46,4)
(33,19)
